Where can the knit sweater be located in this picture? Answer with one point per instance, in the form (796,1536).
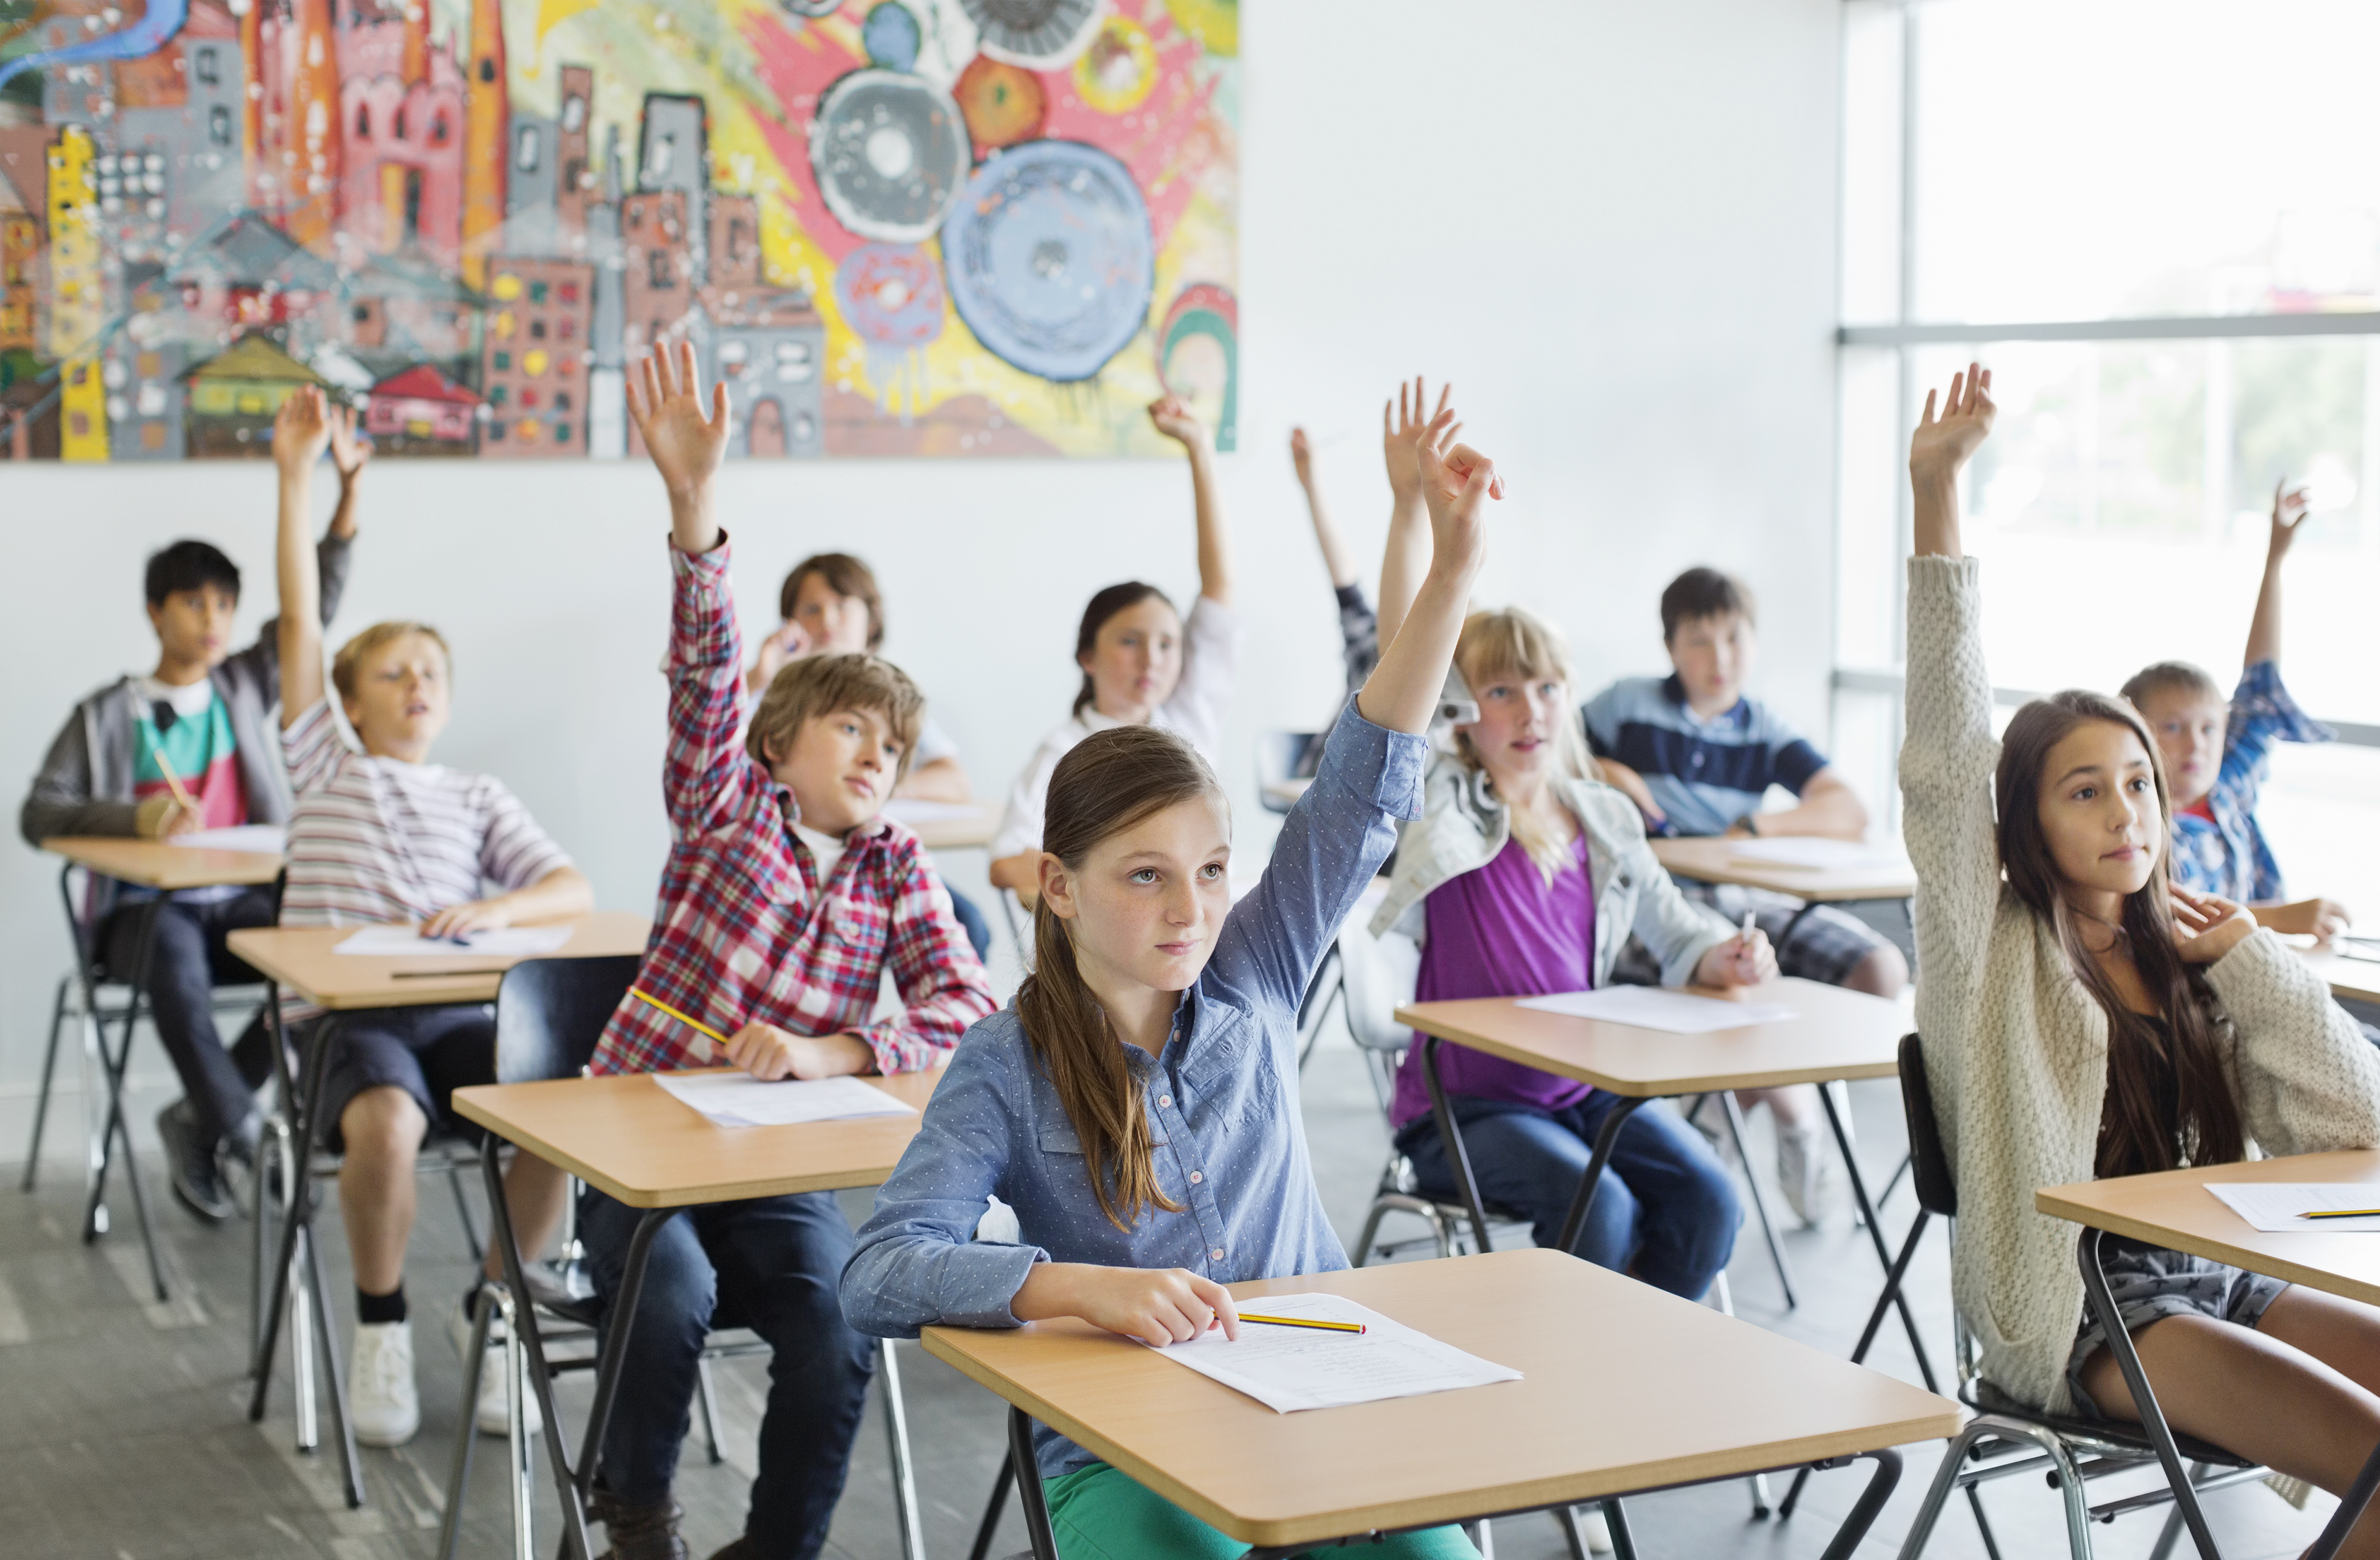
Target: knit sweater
(2016,1048)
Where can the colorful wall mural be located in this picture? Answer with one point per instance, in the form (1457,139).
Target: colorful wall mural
(893,227)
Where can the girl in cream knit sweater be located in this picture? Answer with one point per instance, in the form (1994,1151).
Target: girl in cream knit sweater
(2083,1018)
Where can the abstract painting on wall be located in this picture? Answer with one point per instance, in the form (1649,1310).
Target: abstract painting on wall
(892,227)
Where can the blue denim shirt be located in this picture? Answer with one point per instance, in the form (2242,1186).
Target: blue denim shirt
(2228,857)
(1221,1099)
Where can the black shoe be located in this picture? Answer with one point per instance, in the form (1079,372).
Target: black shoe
(638,1532)
(190,1162)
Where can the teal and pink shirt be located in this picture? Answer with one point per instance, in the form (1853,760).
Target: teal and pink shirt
(189,730)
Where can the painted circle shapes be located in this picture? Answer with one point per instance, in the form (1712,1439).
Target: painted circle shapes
(1049,259)
(1038,34)
(891,36)
(1004,104)
(891,294)
(889,152)
(1118,68)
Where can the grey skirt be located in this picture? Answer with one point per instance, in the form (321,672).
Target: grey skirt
(2150,1284)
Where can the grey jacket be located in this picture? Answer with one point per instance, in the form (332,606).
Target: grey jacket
(1462,828)
(85,784)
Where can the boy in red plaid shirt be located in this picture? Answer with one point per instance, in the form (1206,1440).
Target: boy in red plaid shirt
(786,897)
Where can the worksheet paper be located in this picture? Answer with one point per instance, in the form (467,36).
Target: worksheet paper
(263,839)
(738,1099)
(2273,1206)
(1652,1007)
(1812,850)
(499,942)
(1287,1369)
(914,811)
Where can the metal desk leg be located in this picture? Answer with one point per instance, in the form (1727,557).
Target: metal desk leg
(116,1130)
(458,1471)
(905,1478)
(1876,1237)
(1575,1220)
(1871,1502)
(2350,1507)
(1029,1485)
(1892,1281)
(1734,1113)
(2102,1301)
(988,1527)
(1458,1158)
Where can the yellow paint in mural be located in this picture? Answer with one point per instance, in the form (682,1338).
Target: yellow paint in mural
(1115,73)
(78,296)
(551,12)
(1215,23)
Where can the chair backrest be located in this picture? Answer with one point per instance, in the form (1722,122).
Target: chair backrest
(1929,1166)
(1380,976)
(550,1013)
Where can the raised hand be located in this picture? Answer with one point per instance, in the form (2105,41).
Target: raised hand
(301,429)
(686,445)
(1174,418)
(1301,455)
(1943,445)
(1456,481)
(2288,513)
(2206,926)
(350,450)
(1402,428)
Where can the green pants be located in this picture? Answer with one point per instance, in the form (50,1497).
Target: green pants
(1101,1513)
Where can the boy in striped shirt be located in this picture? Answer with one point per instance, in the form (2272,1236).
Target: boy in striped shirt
(787,900)
(385,836)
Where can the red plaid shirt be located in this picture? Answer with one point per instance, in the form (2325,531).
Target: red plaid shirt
(743,932)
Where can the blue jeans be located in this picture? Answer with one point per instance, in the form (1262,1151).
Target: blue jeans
(772,1264)
(1666,1205)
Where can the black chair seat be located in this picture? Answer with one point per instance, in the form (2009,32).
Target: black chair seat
(1984,1397)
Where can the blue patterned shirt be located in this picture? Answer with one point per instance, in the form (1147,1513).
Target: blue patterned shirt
(1222,1102)
(1704,773)
(2228,856)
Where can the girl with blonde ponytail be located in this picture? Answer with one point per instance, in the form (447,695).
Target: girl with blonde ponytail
(1136,1109)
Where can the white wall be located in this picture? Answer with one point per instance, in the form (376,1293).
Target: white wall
(1612,225)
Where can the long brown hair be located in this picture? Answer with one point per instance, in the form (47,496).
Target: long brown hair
(1108,781)
(1106,604)
(1519,645)
(2137,1134)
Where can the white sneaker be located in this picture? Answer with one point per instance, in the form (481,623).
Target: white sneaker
(491,1410)
(1594,1530)
(382,1401)
(1802,1167)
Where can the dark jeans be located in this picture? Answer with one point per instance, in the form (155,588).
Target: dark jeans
(971,921)
(187,962)
(1666,1205)
(773,1264)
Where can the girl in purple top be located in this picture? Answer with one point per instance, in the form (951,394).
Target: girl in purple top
(1526,875)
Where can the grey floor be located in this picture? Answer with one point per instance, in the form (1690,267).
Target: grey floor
(124,1434)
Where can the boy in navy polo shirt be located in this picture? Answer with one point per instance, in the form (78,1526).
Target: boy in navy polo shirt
(1698,756)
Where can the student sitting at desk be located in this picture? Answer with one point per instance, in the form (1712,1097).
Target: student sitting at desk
(186,748)
(787,899)
(2217,755)
(2083,1018)
(1523,877)
(385,836)
(1141,663)
(1138,1106)
(831,606)
(1698,753)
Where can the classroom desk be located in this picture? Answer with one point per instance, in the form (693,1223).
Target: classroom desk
(148,863)
(951,826)
(2357,980)
(1716,861)
(630,1139)
(1694,1397)
(301,959)
(1833,1035)
(2175,1210)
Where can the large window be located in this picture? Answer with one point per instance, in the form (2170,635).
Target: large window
(2159,224)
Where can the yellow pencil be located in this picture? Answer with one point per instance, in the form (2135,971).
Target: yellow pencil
(2343,1214)
(173,780)
(1302,1321)
(690,1023)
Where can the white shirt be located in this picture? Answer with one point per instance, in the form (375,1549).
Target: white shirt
(825,850)
(1210,660)
(188,701)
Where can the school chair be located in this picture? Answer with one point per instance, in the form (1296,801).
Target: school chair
(550,1015)
(2007,1438)
(1281,758)
(98,997)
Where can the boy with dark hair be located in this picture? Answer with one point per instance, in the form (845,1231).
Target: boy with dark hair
(787,898)
(201,719)
(1698,756)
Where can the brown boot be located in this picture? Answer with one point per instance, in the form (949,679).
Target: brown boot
(638,1532)
(740,1550)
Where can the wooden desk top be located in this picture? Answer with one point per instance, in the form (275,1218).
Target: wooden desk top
(2174,1209)
(1714,860)
(632,1140)
(1626,1389)
(970,831)
(153,864)
(2357,980)
(1834,1033)
(301,959)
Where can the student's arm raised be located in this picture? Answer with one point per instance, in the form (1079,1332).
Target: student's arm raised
(686,445)
(1177,422)
(1402,428)
(1335,559)
(1457,481)
(300,432)
(2264,628)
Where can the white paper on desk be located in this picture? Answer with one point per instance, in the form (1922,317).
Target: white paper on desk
(1287,1369)
(261,839)
(914,811)
(1651,1007)
(497,942)
(738,1099)
(2273,1206)
(1812,850)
